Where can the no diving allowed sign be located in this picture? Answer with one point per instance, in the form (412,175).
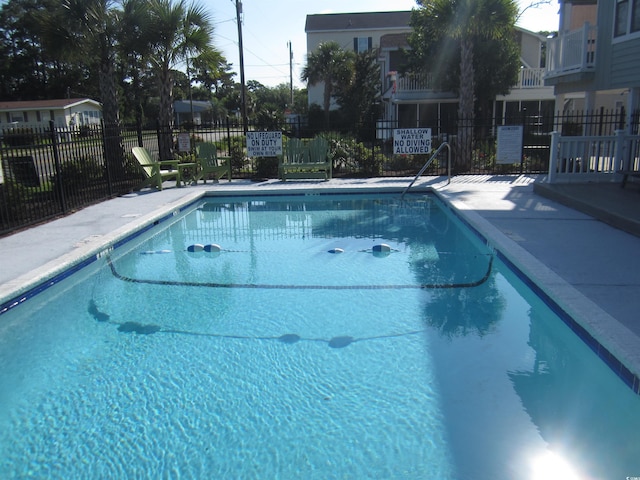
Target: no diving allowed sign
(411,141)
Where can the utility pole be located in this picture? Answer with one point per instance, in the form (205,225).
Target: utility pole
(290,75)
(243,97)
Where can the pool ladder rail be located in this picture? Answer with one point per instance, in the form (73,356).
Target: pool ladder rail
(426,165)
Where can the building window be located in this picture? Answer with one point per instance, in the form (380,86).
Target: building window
(635,16)
(622,14)
(362,44)
(627,17)
(18,117)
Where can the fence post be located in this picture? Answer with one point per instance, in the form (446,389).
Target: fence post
(57,167)
(553,156)
(619,160)
(106,144)
(228,137)
(523,113)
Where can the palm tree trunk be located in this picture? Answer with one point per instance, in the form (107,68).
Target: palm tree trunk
(327,102)
(466,106)
(113,145)
(165,116)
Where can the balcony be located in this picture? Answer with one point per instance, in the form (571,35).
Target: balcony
(572,53)
(530,78)
(414,82)
(415,85)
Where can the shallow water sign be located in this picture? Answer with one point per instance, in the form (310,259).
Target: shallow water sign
(411,141)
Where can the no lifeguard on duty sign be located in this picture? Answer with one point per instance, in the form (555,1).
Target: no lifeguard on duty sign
(411,141)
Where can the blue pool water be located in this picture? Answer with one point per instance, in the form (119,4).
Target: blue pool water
(274,358)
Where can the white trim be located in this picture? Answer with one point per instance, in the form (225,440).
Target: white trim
(626,37)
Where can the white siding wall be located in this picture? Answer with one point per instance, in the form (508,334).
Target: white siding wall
(345,39)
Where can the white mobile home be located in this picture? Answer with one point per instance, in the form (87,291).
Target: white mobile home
(66,112)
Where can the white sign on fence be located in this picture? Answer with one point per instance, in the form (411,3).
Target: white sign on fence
(411,141)
(184,142)
(264,144)
(509,144)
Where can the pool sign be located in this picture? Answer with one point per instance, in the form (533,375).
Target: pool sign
(509,144)
(184,142)
(411,141)
(264,144)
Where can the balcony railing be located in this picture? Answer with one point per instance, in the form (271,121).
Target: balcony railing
(572,52)
(416,82)
(530,78)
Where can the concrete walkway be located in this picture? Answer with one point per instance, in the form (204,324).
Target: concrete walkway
(590,268)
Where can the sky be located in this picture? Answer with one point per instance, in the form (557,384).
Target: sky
(268,27)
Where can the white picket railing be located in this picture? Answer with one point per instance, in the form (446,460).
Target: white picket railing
(572,52)
(412,82)
(418,82)
(593,158)
(530,78)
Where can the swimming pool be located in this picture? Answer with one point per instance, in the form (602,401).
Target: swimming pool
(342,336)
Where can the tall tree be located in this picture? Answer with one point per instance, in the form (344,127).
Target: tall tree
(212,70)
(331,65)
(180,31)
(448,27)
(133,52)
(359,97)
(88,28)
(28,69)
(86,31)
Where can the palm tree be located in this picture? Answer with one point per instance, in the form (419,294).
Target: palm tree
(134,49)
(463,22)
(329,64)
(89,28)
(86,31)
(359,98)
(180,31)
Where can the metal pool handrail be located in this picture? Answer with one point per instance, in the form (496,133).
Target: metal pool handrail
(426,165)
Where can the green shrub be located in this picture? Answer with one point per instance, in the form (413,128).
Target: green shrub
(267,167)
(370,161)
(238,157)
(352,157)
(77,174)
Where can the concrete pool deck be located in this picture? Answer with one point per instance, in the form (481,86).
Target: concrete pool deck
(591,269)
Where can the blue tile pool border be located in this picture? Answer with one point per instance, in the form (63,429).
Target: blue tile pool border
(54,280)
(625,374)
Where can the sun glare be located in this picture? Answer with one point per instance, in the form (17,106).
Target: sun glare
(550,466)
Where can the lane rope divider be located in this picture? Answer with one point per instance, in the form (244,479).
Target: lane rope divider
(422,286)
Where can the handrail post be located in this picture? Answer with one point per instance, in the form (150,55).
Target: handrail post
(553,156)
(448,163)
(426,165)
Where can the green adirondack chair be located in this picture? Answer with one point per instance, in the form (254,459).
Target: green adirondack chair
(296,152)
(154,170)
(209,164)
(319,151)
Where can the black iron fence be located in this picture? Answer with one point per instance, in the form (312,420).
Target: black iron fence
(48,171)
